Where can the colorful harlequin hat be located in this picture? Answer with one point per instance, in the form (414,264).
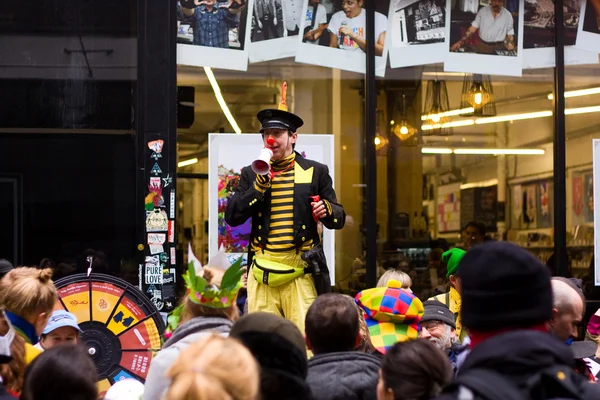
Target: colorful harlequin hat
(392,314)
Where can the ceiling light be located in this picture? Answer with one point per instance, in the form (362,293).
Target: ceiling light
(478,92)
(451,113)
(452,124)
(488,183)
(513,117)
(496,152)
(187,162)
(436,105)
(221,100)
(582,110)
(432,150)
(578,93)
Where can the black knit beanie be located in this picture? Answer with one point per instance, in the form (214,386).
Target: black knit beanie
(503,286)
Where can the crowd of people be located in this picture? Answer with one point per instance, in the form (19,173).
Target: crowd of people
(506,330)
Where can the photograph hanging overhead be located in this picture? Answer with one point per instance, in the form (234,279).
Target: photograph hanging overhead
(417,32)
(212,33)
(588,37)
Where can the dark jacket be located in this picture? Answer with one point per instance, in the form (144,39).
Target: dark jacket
(311,179)
(520,355)
(348,375)
(5,395)
(185,334)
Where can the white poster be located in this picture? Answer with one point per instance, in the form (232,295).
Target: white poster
(538,35)
(485,39)
(340,41)
(227,155)
(275,29)
(417,32)
(214,33)
(588,36)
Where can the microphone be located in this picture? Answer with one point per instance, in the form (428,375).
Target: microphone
(342,36)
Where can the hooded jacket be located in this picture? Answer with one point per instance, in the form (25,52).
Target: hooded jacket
(348,375)
(187,333)
(518,356)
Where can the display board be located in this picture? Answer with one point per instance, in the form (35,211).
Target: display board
(122,328)
(480,204)
(596,210)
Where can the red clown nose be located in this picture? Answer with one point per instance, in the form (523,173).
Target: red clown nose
(270,141)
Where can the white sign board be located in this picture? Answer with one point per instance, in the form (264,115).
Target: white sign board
(596,172)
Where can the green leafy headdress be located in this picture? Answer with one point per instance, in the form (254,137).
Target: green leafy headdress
(210,295)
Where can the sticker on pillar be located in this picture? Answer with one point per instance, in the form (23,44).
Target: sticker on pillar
(168,180)
(155,198)
(156,241)
(173,252)
(156,146)
(156,169)
(153,274)
(158,301)
(172,204)
(171,231)
(157,221)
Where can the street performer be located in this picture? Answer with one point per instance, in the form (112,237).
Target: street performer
(286,205)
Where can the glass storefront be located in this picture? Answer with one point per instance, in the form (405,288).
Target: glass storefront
(463,154)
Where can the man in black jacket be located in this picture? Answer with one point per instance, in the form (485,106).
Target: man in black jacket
(507,307)
(286,205)
(337,371)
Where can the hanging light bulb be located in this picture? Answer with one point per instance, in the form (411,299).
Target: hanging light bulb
(404,130)
(478,98)
(436,108)
(377,140)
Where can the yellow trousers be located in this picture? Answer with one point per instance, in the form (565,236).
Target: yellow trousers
(290,300)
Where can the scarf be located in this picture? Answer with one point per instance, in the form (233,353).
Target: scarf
(285,164)
(456,301)
(23,328)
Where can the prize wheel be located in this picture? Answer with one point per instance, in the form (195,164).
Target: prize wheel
(121,327)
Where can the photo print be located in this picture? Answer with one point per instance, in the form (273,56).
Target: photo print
(588,36)
(213,33)
(485,37)
(417,32)
(339,39)
(275,28)
(538,35)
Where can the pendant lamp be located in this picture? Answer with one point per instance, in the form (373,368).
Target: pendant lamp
(478,93)
(436,105)
(403,129)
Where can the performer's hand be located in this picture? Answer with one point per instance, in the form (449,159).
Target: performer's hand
(456,46)
(319,209)
(510,46)
(200,3)
(344,30)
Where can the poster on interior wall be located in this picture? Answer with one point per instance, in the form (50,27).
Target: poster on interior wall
(588,35)
(517,206)
(485,39)
(538,35)
(214,33)
(588,197)
(417,31)
(225,163)
(544,206)
(341,41)
(582,195)
(530,205)
(448,208)
(596,208)
(276,28)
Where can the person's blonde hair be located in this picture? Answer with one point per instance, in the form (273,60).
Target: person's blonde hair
(27,291)
(365,345)
(13,373)
(395,274)
(214,368)
(193,310)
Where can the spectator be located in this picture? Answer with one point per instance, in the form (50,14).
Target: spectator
(214,368)
(452,299)
(280,349)
(28,296)
(63,372)
(365,345)
(439,327)
(413,370)
(475,233)
(568,309)
(398,275)
(62,328)
(507,306)
(392,315)
(5,267)
(332,333)
(207,308)
(12,360)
